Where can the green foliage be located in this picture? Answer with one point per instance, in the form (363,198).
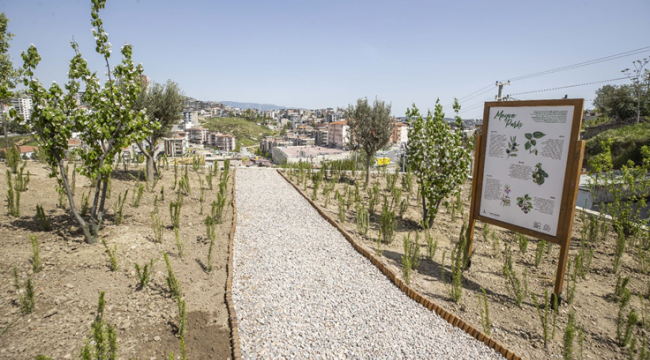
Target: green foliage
(43,221)
(102,344)
(175,211)
(114,122)
(373,198)
(13,198)
(144,274)
(246,132)
(136,197)
(112,255)
(363,220)
(119,207)
(432,245)
(569,335)
(539,252)
(85,197)
(387,224)
(411,257)
(522,240)
(621,332)
(212,236)
(572,279)
(459,261)
(619,250)
(485,312)
(371,128)
(342,209)
(180,246)
(406,262)
(36,259)
(13,158)
(208,179)
(438,157)
(21,181)
(517,288)
(486,232)
(621,287)
(26,295)
(172,282)
(544,315)
(616,101)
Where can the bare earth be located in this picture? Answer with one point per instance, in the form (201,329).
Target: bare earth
(67,289)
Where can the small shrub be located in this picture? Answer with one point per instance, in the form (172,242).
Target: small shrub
(432,245)
(84,203)
(486,232)
(522,240)
(13,159)
(102,344)
(43,221)
(544,315)
(517,288)
(212,236)
(572,280)
(13,198)
(373,198)
(21,181)
(539,252)
(118,207)
(175,211)
(387,224)
(485,312)
(25,296)
(363,220)
(162,193)
(179,243)
(172,282)
(643,257)
(496,245)
(569,334)
(36,259)
(182,326)
(208,180)
(621,287)
(459,260)
(144,274)
(341,209)
(621,319)
(112,255)
(136,197)
(619,250)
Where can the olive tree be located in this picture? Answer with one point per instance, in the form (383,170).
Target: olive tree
(163,103)
(438,157)
(370,128)
(110,124)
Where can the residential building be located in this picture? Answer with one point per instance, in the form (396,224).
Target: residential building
(175,146)
(400,134)
(23,106)
(321,137)
(225,142)
(198,135)
(190,118)
(338,134)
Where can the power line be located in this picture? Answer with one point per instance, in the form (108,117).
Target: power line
(584,63)
(566,87)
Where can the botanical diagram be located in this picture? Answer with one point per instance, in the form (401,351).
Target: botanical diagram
(532,141)
(524,203)
(505,197)
(539,175)
(512,147)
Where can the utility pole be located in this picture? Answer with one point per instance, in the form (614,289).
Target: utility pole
(500,85)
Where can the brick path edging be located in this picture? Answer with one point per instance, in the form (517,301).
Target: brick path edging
(232,314)
(411,292)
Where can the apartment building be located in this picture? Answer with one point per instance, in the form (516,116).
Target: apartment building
(198,135)
(338,134)
(400,134)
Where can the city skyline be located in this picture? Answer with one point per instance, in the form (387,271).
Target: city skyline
(317,55)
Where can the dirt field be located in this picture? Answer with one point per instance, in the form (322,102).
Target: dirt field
(67,289)
(519,329)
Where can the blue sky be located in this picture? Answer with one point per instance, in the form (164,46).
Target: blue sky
(316,54)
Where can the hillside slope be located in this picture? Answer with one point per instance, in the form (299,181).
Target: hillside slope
(245,131)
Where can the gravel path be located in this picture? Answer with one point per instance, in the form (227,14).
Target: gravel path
(302,291)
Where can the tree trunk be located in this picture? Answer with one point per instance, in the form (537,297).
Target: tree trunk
(367,169)
(4,128)
(425,211)
(84,225)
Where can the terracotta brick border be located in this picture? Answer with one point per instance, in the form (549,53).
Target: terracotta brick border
(232,315)
(427,303)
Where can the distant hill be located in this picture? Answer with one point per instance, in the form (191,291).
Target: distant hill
(263,107)
(245,131)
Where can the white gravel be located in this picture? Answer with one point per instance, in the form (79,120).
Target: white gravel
(301,290)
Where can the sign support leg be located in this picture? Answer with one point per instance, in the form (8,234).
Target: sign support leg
(473,202)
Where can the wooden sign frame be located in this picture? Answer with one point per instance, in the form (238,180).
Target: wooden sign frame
(569,189)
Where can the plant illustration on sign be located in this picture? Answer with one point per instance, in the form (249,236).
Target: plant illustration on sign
(532,141)
(539,175)
(505,198)
(512,147)
(524,203)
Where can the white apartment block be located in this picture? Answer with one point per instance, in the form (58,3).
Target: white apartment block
(23,106)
